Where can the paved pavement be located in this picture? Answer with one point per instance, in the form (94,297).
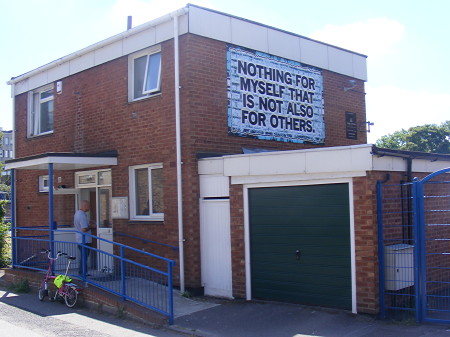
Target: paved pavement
(220,318)
(262,319)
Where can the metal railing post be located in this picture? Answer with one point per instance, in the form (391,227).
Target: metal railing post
(13,218)
(83,257)
(170,265)
(51,225)
(420,255)
(417,250)
(122,271)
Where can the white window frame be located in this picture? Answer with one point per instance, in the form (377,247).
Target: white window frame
(43,184)
(132,198)
(145,93)
(33,113)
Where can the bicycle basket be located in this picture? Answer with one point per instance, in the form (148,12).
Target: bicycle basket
(60,279)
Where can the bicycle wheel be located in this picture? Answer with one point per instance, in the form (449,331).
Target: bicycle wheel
(71,297)
(42,293)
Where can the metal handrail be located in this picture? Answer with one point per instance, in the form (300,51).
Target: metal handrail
(126,278)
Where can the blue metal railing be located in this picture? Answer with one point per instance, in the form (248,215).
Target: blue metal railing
(111,266)
(396,249)
(413,248)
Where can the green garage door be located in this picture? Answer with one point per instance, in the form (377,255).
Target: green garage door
(300,244)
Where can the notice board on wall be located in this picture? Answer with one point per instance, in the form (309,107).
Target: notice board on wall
(351,127)
(274,98)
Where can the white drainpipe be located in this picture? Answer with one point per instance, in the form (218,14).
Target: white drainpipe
(178,145)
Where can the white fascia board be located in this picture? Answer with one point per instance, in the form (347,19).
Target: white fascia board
(311,161)
(62,163)
(38,164)
(98,53)
(398,164)
(91,161)
(277,179)
(253,35)
(210,166)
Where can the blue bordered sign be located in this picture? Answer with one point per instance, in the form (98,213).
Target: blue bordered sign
(274,98)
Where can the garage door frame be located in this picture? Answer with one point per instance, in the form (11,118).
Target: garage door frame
(246,187)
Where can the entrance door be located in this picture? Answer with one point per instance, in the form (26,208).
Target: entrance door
(215,245)
(104,229)
(95,186)
(300,244)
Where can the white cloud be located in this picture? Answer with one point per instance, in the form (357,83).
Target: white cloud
(392,109)
(373,37)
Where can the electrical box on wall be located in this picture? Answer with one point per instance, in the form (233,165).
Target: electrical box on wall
(59,87)
(398,266)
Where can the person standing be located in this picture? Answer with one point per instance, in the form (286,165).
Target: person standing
(83,226)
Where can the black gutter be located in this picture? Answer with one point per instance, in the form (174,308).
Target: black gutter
(410,154)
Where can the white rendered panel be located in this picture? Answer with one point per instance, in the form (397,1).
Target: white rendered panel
(236,166)
(58,72)
(279,164)
(249,35)
(214,186)
(360,67)
(108,53)
(340,61)
(284,45)
(313,53)
(164,31)
(38,80)
(210,166)
(21,87)
(210,24)
(139,41)
(82,63)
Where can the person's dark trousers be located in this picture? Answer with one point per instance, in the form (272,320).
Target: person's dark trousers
(80,265)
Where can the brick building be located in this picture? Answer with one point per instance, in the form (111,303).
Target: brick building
(190,116)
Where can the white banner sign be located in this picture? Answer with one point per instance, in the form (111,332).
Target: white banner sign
(274,98)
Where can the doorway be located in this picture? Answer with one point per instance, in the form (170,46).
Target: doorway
(95,187)
(300,244)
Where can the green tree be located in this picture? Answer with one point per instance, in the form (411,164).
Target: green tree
(425,138)
(5,181)
(5,239)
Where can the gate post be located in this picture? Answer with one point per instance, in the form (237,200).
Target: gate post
(419,257)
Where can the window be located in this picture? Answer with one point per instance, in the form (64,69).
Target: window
(146,192)
(40,111)
(144,74)
(43,184)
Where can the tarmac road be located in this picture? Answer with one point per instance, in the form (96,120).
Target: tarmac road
(25,315)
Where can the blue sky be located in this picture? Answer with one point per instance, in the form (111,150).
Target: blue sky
(406,42)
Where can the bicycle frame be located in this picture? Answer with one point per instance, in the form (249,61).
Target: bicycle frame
(43,290)
(68,290)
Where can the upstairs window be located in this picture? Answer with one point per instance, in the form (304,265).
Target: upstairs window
(40,111)
(144,74)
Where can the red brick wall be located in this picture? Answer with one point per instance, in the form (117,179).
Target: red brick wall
(92,114)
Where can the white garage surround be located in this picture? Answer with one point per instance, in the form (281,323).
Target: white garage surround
(294,168)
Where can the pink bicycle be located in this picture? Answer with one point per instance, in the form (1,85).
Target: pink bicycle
(64,286)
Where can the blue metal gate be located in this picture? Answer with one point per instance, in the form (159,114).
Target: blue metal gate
(414,248)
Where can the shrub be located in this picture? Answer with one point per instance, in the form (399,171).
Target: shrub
(5,246)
